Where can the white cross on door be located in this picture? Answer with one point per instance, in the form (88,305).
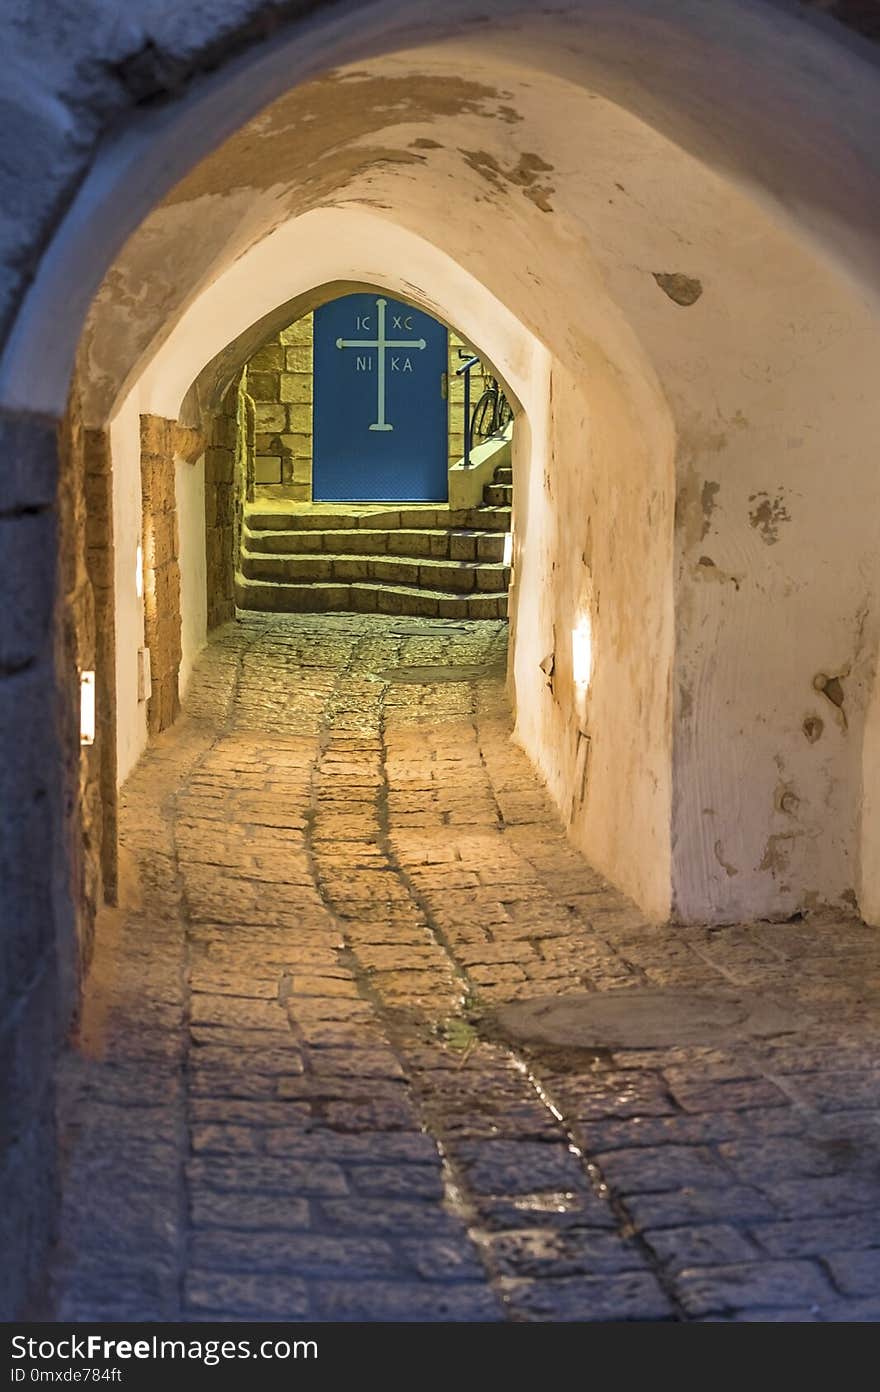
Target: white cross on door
(381,343)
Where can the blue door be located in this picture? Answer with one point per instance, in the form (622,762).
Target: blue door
(380,424)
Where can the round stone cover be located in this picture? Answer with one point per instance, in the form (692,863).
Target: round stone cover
(642,1018)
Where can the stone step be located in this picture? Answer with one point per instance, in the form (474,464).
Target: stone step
(503,474)
(498,495)
(365,598)
(494,517)
(457,577)
(437,544)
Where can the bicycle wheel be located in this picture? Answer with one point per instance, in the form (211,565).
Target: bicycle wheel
(483,418)
(504,414)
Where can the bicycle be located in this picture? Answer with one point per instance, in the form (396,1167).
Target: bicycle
(491,415)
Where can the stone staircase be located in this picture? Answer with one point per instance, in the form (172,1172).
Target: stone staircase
(499,493)
(407,558)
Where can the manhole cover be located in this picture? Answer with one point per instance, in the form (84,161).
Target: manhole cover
(640,1019)
(430,676)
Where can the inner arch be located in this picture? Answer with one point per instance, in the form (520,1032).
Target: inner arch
(305,262)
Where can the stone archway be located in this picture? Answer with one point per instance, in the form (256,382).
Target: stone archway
(670,337)
(759,818)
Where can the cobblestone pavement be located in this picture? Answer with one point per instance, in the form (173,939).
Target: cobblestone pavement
(287,1103)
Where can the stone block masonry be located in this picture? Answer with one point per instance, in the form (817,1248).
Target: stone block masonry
(55,526)
(279,382)
(100,553)
(224,487)
(162,630)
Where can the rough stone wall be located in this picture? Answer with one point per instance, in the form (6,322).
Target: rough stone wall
(77,647)
(279,381)
(247,443)
(861,15)
(221,506)
(100,560)
(37,931)
(53,832)
(162,624)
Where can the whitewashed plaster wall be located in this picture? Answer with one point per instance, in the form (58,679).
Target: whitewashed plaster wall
(776,590)
(131,711)
(592,616)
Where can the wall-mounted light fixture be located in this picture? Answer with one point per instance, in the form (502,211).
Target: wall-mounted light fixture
(582,652)
(139,571)
(87,708)
(144,675)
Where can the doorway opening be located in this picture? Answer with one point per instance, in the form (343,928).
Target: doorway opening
(380,390)
(375,448)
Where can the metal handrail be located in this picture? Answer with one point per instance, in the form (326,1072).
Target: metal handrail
(465,371)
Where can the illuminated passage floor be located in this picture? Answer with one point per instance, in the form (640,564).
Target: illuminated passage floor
(291,1099)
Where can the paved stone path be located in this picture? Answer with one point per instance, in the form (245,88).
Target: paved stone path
(287,1101)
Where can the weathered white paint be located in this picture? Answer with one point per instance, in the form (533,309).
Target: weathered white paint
(190,491)
(595,550)
(789,114)
(776,583)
